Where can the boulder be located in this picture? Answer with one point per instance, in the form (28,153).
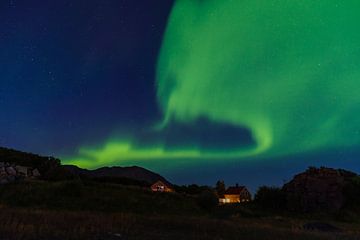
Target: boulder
(11,171)
(22,170)
(36,173)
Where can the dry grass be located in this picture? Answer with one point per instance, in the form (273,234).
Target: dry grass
(26,224)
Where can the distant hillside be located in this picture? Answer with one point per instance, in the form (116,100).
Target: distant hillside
(135,173)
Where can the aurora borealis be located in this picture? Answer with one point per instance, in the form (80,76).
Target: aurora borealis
(231,87)
(287,71)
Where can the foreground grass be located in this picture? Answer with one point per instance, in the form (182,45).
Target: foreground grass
(26,224)
(93,211)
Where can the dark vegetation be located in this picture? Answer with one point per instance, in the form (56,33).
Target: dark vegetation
(74,206)
(270,198)
(26,224)
(220,188)
(93,196)
(352,193)
(192,189)
(81,209)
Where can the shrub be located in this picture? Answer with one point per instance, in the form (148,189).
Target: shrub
(351,193)
(220,187)
(271,198)
(192,189)
(208,200)
(59,173)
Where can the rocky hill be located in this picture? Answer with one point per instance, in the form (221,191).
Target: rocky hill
(318,189)
(13,158)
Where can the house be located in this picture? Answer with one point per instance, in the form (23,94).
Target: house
(235,194)
(161,186)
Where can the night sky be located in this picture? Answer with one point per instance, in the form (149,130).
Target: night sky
(251,92)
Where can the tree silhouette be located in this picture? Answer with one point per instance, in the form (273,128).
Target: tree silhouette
(220,188)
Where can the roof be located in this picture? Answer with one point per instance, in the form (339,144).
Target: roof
(234,190)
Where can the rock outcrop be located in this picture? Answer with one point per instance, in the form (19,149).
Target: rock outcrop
(12,173)
(317,189)
(44,165)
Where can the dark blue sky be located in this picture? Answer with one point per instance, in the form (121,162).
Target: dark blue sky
(73,71)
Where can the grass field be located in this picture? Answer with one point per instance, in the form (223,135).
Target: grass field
(49,224)
(75,210)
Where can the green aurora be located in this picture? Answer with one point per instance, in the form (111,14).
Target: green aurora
(289,71)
